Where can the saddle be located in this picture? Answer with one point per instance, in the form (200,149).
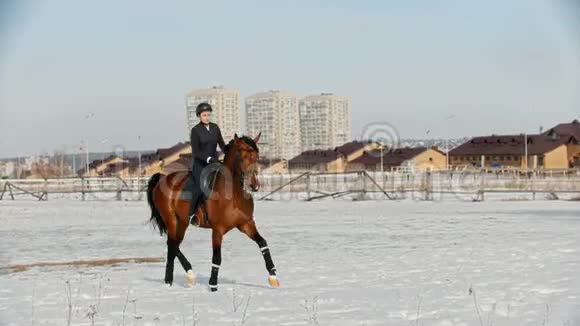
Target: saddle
(207,179)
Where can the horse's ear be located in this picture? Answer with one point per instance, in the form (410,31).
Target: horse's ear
(257,138)
(236,136)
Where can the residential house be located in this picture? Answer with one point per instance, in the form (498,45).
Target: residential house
(407,158)
(273,166)
(573,148)
(509,151)
(331,160)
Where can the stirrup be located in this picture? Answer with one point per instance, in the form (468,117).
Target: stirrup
(193,219)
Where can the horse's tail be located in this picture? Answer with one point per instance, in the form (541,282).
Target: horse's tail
(155,215)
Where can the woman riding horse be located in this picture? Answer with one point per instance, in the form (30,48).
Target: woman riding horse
(204,138)
(229,206)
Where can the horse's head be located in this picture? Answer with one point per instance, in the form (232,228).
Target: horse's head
(247,154)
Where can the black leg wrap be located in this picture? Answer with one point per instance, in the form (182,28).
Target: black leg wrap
(216,262)
(171,251)
(266,253)
(184,262)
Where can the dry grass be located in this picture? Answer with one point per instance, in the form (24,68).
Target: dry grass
(81,263)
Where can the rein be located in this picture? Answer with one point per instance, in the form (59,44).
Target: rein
(238,167)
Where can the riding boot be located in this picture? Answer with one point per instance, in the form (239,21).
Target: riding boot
(195,199)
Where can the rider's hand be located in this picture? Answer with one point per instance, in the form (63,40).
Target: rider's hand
(211,160)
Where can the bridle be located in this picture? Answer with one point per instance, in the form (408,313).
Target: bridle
(238,166)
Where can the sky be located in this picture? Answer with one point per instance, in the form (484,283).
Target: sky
(115,73)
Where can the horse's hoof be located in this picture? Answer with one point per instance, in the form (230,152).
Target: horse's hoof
(190,277)
(168,285)
(273,280)
(213,288)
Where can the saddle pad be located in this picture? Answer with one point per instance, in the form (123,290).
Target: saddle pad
(207,179)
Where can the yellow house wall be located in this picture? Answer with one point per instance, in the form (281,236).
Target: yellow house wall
(556,158)
(468,161)
(355,167)
(123,173)
(337,165)
(423,162)
(152,168)
(573,151)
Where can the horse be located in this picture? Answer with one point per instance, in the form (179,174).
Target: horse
(228,206)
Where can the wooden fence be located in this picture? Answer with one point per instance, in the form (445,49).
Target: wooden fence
(315,185)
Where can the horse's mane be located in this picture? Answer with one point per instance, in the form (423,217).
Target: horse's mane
(246,139)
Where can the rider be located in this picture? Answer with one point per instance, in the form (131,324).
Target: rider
(204,138)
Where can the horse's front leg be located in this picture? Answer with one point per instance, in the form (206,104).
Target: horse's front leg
(216,260)
(252,232)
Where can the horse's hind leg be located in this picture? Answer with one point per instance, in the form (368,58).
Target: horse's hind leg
(171,253)
(252,232)
(182,225)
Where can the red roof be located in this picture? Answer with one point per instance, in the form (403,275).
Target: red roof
(511,145)
(115,167)
(570,129)
(165,152)
(394,157)
(351,147)
(96,163)
(315,156)
(266,162)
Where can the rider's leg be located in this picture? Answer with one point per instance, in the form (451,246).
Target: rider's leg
(196,192)
(195,197)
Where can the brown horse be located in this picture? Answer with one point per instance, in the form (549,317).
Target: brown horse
(228,206)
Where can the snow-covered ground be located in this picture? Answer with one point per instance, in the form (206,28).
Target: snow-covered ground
(339,262)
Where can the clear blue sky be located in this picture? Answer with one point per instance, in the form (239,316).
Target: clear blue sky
(496,66)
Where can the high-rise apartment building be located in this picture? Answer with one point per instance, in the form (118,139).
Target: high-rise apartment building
(324,121)
(274,114)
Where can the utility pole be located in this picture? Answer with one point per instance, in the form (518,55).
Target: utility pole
(447,143)
(526,151)
(103,142)
(87,156)
(447,154)
(382,166)
(74,157)
(139,154)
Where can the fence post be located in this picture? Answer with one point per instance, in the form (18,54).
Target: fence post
(482,185)
(10,190)
(308,186)
(44,194)
(3,190)
(364,183)
(533,186)
(428,185)
(83,188)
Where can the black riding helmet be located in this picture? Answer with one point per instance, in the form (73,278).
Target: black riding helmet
(201,107)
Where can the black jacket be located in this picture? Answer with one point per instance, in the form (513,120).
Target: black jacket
(204,142)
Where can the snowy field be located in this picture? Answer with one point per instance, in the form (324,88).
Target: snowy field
(340,263)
